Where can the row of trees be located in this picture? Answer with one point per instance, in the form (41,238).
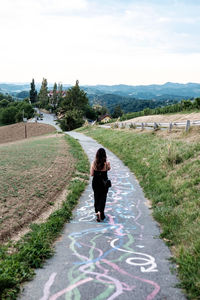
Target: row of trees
(184,105)
(12,111)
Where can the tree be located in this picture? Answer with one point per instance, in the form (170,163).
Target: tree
(8,115)
(55,95)
(73,119)
(100,110)
(43,94)
(117,112)
(186,104)
(90,113)
(74,106)
(33,92)
(60,92)
(197,103)
(75,98)
(26,109)
(4,103)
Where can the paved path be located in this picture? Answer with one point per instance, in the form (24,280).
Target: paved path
(47,119)
(120,258)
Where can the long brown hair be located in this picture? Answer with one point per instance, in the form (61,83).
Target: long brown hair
(100,159)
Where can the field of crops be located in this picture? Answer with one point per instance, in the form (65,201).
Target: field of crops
(32,174)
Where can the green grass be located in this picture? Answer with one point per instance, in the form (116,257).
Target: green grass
(36,246)
(169,173)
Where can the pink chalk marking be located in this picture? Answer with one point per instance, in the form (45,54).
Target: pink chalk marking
(136,219)
(117,283)
(156,286)
(48,284)
(108,209)
(70,288)
(106,270)
(115,197)
(120,226)
(118,269)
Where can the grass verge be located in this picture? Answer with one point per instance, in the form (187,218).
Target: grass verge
(18,260)
(168,171)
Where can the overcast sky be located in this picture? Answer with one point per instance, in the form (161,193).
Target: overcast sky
(100,41)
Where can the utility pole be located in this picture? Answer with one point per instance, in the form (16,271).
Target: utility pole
(25,129)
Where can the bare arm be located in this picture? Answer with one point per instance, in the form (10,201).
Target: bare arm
(108,166)
(92,170)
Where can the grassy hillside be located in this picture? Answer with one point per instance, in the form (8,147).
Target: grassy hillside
(167,167)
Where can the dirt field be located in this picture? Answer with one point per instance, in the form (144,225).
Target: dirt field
(16,132)
(167,118)
(33,172)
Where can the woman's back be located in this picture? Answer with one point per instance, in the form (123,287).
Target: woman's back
(100,174)
(94,171)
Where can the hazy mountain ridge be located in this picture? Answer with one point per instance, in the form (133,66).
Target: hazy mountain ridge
(149,92)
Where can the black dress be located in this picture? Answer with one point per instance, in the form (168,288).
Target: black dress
(100,191)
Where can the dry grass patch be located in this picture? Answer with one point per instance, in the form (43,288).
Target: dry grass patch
(167,118)
(192,136)
(16,132)
(32,174)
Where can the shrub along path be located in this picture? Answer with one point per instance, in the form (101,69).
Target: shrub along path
(119,258)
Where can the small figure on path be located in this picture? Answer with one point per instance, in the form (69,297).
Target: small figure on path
(98,170)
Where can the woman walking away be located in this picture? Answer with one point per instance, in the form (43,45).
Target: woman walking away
(98,170)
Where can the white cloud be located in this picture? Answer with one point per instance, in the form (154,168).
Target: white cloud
(98,41)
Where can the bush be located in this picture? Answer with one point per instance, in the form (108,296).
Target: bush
(15,111)
(8,115)
(72,120)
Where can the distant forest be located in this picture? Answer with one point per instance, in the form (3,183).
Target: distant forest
(128,104)
(184,105)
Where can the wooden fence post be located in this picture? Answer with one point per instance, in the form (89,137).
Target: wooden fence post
(25,131)
(170,126)
(187,126)
(155,126)
(142,125)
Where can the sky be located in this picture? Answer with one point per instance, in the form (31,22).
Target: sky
(100,41)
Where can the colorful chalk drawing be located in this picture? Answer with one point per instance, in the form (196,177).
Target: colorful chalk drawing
(104,265)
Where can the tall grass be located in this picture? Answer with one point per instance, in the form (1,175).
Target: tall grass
(169,174)
(36,246)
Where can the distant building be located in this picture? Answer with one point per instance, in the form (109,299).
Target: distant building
(89,122)
(50,94)
(104,118)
